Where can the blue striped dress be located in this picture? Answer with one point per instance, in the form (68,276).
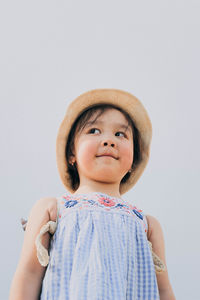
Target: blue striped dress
(99,251)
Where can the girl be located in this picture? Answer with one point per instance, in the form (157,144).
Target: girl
(90,243)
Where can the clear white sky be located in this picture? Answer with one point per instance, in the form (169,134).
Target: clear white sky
(52,51)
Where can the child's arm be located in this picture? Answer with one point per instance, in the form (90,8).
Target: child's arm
(155,236)
(29,274)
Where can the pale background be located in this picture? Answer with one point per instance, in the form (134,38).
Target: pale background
(52,51)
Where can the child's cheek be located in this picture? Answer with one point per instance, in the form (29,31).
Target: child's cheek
(86,151)
(127,154)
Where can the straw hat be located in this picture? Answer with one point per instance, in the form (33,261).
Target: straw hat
(122,99)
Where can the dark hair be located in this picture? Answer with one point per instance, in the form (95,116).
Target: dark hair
(79,124)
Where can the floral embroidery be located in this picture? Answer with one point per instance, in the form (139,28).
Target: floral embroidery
(138,214)
(91,201)
(70,203)
(100,200)
(106,202)
(119,205)
(134,207)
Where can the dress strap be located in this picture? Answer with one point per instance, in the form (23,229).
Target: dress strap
(50,226)
(158,263)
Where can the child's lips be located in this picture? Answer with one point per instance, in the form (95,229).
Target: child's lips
(108,155)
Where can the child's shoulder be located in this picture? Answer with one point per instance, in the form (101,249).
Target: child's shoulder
(153,225)
(45,206)
(50,205)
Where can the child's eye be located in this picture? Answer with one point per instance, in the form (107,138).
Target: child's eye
(122,133)
(92,129)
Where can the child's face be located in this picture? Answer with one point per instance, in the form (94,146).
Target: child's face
(104,136)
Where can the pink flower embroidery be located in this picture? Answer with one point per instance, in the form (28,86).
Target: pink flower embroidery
(67,197)
(106,201)
(135,208)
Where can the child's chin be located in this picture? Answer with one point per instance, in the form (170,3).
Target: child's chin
(106,175)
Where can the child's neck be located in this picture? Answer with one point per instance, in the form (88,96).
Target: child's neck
(86,189)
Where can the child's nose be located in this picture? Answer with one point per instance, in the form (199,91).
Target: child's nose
(111,144)
(108,142)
